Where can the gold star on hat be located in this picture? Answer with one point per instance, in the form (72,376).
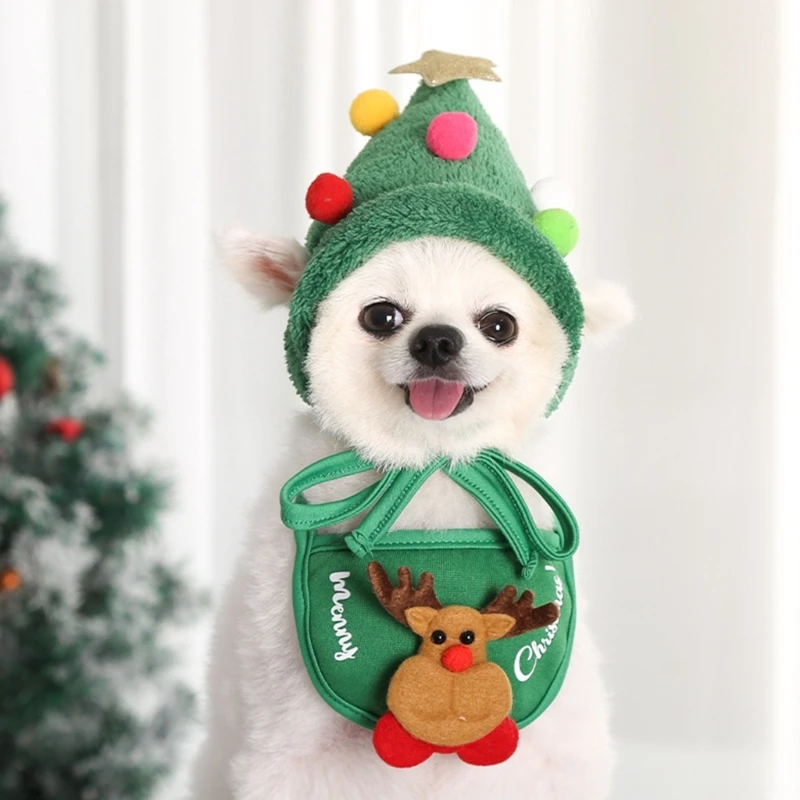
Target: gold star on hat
(437,68)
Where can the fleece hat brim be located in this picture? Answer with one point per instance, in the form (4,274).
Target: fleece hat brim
(457,211)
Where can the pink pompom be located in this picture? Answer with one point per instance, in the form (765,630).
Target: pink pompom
(452,135)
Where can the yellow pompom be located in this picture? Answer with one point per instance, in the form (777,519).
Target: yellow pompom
(373,109)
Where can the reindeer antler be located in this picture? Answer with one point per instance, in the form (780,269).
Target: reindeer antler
(397,599)
(527,617)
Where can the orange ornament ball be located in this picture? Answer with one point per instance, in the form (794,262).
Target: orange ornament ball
(10,580)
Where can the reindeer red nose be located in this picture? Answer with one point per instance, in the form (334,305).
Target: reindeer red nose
(457,658)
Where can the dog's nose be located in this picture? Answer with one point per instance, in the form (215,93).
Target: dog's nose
(434,345)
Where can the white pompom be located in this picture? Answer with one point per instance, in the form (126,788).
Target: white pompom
(552,193)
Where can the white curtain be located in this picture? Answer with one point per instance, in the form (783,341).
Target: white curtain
(130,130)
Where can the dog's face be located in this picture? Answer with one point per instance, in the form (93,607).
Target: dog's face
(433,347)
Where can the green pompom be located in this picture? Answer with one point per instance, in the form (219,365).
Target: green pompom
(560,227)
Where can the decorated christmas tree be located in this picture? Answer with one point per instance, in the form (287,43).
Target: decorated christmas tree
(91,707)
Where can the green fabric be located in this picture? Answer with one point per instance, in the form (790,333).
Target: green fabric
(331,588)
(402,191)
(398,155)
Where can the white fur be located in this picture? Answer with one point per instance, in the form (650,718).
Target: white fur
(607,308)
(270,735)
(245,254)
(439,281)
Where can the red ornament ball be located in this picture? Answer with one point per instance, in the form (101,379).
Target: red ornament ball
(452,135)
(329,198)
(68,428)
(7,379)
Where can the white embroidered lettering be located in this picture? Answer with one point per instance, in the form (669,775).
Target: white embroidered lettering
(530,654)
(340,594)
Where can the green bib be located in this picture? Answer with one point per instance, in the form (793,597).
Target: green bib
(352,647)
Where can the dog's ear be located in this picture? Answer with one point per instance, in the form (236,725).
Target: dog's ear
(268,267)
(607,309)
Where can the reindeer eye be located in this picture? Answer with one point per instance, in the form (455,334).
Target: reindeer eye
(438,637)
(468,637)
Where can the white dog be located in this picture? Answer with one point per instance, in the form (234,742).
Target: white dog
(270,735)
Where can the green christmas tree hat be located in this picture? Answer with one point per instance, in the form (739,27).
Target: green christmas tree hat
(441,168)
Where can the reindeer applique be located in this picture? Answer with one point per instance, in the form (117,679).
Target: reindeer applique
(449,698)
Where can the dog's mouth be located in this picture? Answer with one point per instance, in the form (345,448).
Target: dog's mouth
(438,399)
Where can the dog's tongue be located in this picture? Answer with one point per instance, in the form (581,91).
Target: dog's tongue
(434,398)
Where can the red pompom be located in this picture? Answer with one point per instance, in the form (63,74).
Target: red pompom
(68,428)
(329,198)
(396,746)
(6,377)
(494,748)
(457,658)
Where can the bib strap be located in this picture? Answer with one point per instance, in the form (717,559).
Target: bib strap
(480,481)
(566,524)
(299,515)
(388,508)
(486,478)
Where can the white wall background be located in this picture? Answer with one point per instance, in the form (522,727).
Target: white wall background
(132,129)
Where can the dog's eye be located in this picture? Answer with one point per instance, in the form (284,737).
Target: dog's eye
(381,319)
(498,327)
(438,637)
